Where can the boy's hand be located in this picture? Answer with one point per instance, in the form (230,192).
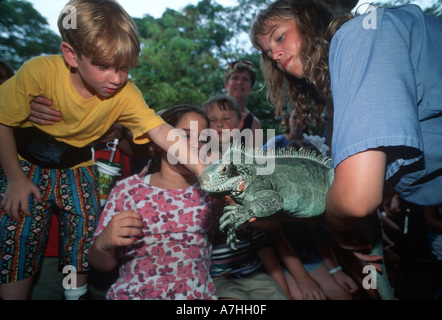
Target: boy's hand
(41,113)
(122,230)
(16,199)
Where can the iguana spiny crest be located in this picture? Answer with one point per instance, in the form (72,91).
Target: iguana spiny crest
(265,183)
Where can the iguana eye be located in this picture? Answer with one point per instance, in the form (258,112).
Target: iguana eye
(223,169)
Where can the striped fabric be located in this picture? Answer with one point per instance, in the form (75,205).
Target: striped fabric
(241,262)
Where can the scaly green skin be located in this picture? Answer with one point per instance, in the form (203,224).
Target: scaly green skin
(296,186)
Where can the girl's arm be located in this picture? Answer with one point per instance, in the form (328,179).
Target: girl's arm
(124,229)
(330,260)
(19,186)
(323,247)
(309,288)
(271,264)
(170,140)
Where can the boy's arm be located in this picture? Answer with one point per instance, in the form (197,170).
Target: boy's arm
(170,140)
(19,186)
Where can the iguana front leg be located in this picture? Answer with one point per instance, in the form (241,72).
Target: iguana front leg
(263,204)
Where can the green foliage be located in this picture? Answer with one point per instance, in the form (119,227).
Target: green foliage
(435,9)
(24,33)
(184,56)
(184,53)
(179,62)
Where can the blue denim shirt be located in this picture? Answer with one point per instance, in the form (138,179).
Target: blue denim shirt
(386,77)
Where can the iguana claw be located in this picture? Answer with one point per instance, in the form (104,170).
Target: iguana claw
(226,218)
(233,216)
(231,238)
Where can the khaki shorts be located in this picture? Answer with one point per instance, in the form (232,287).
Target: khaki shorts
(257,286)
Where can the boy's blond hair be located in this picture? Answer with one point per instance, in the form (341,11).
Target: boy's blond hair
(103,32)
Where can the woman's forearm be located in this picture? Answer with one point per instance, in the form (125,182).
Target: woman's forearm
(356,191)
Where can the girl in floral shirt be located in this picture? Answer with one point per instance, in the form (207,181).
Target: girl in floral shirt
(157,227)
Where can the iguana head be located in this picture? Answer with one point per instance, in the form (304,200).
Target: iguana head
(231,175)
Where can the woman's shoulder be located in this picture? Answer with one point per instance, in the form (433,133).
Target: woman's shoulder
(377,19)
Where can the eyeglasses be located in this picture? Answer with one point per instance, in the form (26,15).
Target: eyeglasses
(248,62)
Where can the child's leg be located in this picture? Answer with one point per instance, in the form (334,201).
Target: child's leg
(79,203)
(23,242)
(18,290)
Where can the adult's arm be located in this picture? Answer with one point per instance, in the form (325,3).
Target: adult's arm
(41,113)
(357,189)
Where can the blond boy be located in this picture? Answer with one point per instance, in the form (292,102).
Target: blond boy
(47,166)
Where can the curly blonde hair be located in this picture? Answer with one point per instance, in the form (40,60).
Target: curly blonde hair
(316,25)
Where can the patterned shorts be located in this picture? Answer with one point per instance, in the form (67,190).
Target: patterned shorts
(73,195)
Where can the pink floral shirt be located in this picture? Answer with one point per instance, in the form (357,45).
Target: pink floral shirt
(172,260)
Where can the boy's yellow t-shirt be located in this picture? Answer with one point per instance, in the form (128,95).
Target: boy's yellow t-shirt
(82,120)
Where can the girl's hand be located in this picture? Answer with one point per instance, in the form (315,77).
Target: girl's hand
(124,229)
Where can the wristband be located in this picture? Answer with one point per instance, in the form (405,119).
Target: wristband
(332,271)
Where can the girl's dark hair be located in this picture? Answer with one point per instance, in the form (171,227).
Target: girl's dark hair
(173,116)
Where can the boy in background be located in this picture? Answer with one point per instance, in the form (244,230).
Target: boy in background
(238,274)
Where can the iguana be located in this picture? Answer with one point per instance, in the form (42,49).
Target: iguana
(286,182)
